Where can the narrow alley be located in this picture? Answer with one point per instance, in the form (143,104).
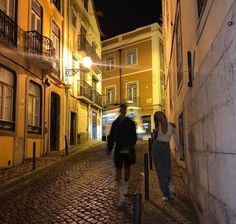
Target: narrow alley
(82,189)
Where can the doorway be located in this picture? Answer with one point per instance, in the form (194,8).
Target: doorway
(94,125)
(54,122)
(73,128)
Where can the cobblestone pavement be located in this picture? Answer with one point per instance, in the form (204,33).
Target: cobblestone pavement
(81,189)
(178,210)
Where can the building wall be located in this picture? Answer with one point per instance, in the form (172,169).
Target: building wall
(146,72)
(58,97)
(208,106)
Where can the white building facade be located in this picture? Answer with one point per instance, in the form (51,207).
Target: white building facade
(200,59)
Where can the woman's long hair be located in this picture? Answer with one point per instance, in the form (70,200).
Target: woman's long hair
(161,117)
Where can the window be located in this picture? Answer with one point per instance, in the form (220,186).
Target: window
(86,5)
(34,108)
(82,39)
(181,136)
(110,61)
(161,50)
(57,3)
(36,17)
(9,7)
(131,57)
(201,4)
(73,19)
(179,59)
(7,93)
(132,92)
(56,45)
(110,94)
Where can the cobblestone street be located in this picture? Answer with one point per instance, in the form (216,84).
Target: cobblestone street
(82,189)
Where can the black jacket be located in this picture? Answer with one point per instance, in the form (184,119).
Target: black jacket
(123,133)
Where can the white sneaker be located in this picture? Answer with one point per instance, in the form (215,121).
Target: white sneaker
(121,199)
(165,198)
(126,188)
(171,188)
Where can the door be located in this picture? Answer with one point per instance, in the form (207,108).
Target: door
(54,122)
(73,128)
(94,125)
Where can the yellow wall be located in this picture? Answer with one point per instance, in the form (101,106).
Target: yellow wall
(6,151)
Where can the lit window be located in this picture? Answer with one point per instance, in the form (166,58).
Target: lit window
(34,108)
(36,17)
(131,57)
(110,61)
(56,45)
(8,6)
(132,92)
(110,94)
(7,92)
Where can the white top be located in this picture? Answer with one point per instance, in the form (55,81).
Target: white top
(165,137)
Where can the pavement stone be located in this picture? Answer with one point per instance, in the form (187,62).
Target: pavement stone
(81,188)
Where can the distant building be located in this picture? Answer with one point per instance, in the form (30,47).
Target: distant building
(133,71)
(200,58)
(40,101)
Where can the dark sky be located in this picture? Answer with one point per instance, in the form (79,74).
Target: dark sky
(120,16)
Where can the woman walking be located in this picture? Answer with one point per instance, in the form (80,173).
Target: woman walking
(161,151)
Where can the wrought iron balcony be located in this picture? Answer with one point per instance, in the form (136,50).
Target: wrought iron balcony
(97,98)
(86,90)
(84,45)
(40,45)
(8,29)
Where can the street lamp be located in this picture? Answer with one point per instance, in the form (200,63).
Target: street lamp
(86,63)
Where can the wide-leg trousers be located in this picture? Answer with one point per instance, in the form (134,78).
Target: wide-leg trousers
(162,161)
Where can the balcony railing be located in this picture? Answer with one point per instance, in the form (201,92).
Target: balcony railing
(84,45)
(35,43)
(97,98)
(86,90)
(8,29)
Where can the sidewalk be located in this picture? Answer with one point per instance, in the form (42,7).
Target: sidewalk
(11,175)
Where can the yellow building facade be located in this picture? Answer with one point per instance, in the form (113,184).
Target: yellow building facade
(35,90)
(133,71)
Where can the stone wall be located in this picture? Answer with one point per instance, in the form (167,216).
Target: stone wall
(210,124)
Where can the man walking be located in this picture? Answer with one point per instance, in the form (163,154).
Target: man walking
(123,134)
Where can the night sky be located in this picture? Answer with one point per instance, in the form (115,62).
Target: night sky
(120,16)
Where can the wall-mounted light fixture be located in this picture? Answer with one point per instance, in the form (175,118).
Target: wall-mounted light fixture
(86,64)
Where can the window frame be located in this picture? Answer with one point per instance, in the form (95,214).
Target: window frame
(132,56)
(134,97)
(6,10)
(108,61)
(8,125)
(37,17)
(112,95)
(34,128)
(57,45)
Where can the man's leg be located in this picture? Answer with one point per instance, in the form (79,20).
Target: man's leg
(127,175)
(121,198)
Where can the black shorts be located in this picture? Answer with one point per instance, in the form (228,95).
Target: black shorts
(123,158)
